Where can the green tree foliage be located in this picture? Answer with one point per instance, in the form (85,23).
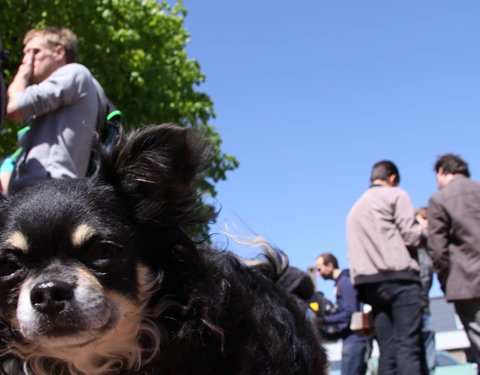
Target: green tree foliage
(136,49)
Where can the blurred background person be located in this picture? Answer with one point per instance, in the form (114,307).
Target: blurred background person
(454,239)
(355,349)
(426,279)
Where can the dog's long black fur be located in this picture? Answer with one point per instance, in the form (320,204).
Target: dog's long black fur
(99,276)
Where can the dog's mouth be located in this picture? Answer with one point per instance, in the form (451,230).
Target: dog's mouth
(75,322)
(71,336)
(72,327)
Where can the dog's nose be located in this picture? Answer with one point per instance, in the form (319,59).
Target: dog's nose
(51,296)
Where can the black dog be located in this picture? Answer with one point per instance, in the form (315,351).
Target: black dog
(99,276)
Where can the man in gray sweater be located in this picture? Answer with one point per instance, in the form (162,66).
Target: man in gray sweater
(454,239)
(60,100)
(381,233)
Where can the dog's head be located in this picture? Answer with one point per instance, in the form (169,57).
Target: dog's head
(80,259)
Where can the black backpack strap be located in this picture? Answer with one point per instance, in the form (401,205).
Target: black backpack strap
(113,126)
(3,89)
(3,100)
(108,127)
(103,103)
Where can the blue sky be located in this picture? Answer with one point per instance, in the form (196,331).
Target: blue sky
(309,94)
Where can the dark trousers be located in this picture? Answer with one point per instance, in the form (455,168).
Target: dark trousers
(468,311)
(428,338)
(397,312)
(355,355)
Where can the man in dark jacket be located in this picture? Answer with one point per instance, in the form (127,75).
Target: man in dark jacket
(454,239)
(355,349)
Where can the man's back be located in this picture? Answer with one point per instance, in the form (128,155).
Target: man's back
(380,228)
(457,204)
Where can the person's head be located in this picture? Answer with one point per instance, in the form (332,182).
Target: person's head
(327,265)
(422,212)
(50,48)
(421,217)
(385,171)
(449,165)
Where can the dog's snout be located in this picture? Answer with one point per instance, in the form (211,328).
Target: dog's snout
(51,296)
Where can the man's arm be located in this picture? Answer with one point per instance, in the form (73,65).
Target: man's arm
(346,301)
(18,85)
(404,216)
(65,86)
(438,224)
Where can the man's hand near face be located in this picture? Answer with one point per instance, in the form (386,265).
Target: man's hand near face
(26,69)
(19,84)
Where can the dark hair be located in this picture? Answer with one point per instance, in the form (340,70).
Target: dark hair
(329,258)
(453,164)
(383,169)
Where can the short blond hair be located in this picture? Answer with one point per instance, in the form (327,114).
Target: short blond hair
(57,37)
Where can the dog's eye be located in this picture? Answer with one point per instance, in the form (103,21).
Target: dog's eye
(8,267)
(104,252)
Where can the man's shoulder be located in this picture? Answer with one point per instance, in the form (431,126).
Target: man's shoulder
(345,272)
(363,203)
(72,70)
(435,197)
(376,196)
(463,181)
(357,206)
(458,185)
(398,191)
(344,276)
(389,192)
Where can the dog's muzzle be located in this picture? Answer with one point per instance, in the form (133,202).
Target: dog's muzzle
(71,305)
(51,297)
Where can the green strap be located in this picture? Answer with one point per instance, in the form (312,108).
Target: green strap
(23,130)
(14,156)
(113,114)
(19,150)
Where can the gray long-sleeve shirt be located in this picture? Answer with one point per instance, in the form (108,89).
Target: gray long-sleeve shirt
(63,113)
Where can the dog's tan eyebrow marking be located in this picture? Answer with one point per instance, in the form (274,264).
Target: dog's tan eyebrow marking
(17,241)
(82,233)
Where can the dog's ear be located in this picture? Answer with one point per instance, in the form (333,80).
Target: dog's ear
(156,169)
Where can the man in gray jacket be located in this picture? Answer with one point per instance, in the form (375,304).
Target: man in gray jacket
(381,233)
(454,239)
